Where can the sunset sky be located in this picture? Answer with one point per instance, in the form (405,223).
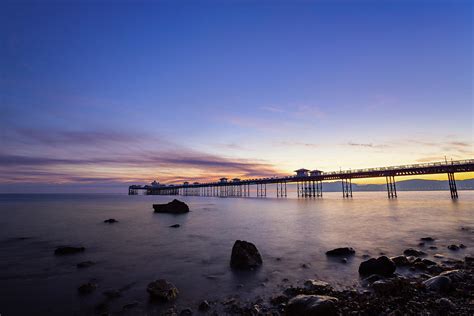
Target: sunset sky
(100,96)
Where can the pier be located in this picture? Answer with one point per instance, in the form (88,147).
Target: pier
(309,184)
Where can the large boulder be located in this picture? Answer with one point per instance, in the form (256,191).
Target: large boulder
(162,290)
(68,250)
(174,207)
(344,251)
(245,255)
(381,266)
(309,305)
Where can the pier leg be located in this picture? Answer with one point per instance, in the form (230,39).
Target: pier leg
(391,187)
(452,185)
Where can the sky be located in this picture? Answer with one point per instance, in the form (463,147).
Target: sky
(95,96)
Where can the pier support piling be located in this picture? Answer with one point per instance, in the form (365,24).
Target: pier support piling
(391,187)
(452,185)
(347,187)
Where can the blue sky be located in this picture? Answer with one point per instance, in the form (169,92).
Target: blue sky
(99,93)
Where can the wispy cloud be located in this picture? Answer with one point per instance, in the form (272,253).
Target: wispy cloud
(367,145)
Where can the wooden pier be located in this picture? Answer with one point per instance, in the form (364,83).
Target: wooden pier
(310,183)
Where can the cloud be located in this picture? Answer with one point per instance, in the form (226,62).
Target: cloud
(367,145)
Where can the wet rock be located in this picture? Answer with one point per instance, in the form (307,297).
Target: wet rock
(111,294)
(186,312)
(420,265)
(162,290)
(469,260)
(454,275)
(386,287)
(344,260)
(308,305)
(446,304)
(413,252)
(204,306)
(87,288)
(439,256)
(372,278)
(435,269)
(381,266)
(85,264)
(174,207)
(428,262)
(175,226)
(317,286)
(438,284)
(453,247)
(68,250)
(344,251)
(428,239)
(462,246)
(245,255)
(433,247)
(111,221)
(305,266)
(400,261)
(421,244)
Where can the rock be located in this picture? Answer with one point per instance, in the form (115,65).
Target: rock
(446,304)
(162,290)
(469,259)
(421,244)
(428,239)
(111,221)
(85,264)
(186,312)
(245,255)
(433,247)
(68,250)
(439,256)
(175,226)
(111,294)
(344,251)
(344,260)
(204,306)
(308,305)
(381,266)
(305,266)
(420,265)
(428,262)
(435,269)
(87,288)
(413,252)
(462,246)
(438,284)
(317,286)
(386,287)
(400,260)
(453,247)
(372,278)
(454,275)
(175,207)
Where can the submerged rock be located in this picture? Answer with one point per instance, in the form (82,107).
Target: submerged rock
(453,247)
(85,264)
(175,226)
(245,255)
(438,284)
(344,251)
(381,266)
(87,288)
(429,239)
(68,250)
(413,252)
(175,207)
(111,221)
(308,305)
(162,290)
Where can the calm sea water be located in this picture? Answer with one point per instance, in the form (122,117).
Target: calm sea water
(195,257)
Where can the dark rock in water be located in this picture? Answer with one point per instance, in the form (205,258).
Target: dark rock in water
(186,312)
(85,264)
(308,305)
(435,269)
(87,288)
(462,246)
(111,294)
(420,265)
(175,207)
(111,221)
(344,251)
(421,244)
(453,247)
(381,266)
(433,247)
(305,266)
(317,286)
(175,226)
(68,250)
(413,252)
(162,290)
(344,260)
(438,284)
(245,255)
(428,239)
(204,306)
(400,260)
